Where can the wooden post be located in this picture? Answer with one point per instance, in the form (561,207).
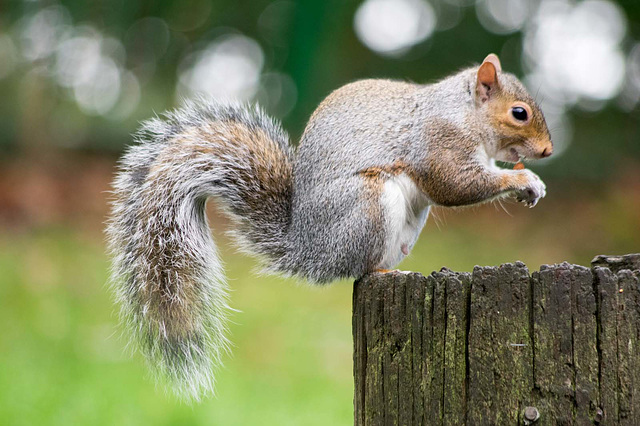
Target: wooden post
(500,346)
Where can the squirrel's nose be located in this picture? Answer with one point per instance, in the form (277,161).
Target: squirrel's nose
(546,152)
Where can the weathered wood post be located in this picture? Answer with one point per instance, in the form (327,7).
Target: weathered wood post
(500,346)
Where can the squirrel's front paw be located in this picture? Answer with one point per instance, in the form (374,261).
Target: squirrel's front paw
(532,190)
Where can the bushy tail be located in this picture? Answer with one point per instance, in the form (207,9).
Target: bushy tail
(167,275)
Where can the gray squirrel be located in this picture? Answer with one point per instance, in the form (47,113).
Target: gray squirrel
(350,200)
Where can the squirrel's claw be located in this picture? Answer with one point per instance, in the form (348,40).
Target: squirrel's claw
(532,191)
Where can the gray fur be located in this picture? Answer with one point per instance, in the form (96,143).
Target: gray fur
(311,214)
(159,237)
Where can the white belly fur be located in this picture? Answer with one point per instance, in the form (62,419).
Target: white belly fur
(406,209)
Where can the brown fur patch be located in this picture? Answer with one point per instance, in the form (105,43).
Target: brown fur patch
(534,135)
(510,181)
(451,175)
(269,167)
(393,169)
(373,186)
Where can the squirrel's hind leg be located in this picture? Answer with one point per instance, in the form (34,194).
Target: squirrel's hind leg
(337,230)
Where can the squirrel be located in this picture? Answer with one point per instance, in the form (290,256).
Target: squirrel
(350,200)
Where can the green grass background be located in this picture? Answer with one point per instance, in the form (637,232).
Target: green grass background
(63,362)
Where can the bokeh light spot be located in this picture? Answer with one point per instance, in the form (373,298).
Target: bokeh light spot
(278,93)
(228,68)
(503,16)
(575,51)
(86,63)
(391,27)
(41,32)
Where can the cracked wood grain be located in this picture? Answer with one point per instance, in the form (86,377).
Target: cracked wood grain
(459,348)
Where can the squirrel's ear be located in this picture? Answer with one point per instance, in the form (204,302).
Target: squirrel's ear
(493,58)
(487,82)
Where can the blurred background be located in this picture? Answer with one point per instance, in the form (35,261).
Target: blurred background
(76,79)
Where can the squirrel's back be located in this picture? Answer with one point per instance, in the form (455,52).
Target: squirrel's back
(347,128)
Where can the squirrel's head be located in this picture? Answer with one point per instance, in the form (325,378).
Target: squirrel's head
(515,117)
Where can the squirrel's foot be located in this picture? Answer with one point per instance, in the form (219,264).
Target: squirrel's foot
(533,190)
(390,271)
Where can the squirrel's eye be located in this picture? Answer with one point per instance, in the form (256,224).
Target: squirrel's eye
(519,113)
